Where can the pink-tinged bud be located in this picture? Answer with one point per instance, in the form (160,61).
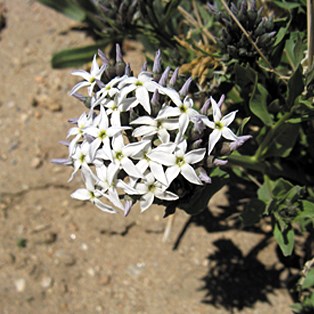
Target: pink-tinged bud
(219,162)
(164,77)
(174,77)
(239,142)
(185,88)
(205,107)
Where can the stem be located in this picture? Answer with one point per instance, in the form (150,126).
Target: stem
(310,32)
(268,138)
(190,19)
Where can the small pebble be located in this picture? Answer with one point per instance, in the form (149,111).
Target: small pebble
(46,282)
(20,284)
(36,163)
(91,272)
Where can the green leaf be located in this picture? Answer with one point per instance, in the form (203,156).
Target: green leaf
(284,238)
(295,86)
(77,56)
(295,49)
(243,124)
(281,188)
(258,104)
(69,8)
(264,193)
(283,140)
(287,5)
(308,280)
(280,35)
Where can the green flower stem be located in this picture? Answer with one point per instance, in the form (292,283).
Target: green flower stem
(269,137)
(247,162)
(264,167)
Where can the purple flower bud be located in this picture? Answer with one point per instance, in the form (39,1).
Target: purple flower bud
(144,67)
(174,77)
(73,120)
(61,161)
(239,142)
(119,57)
(155,98)
(203,176)
(221,100)
(127,70)
(100,84)
(103,57)
(205,107)
(219,162)
(65,143)
(185,88)
(197,144)
(164,77)
(198,129)
(157,62)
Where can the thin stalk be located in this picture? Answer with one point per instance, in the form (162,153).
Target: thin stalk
(310,31)
(194,23)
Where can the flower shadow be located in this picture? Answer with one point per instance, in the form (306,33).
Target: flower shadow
(236,281)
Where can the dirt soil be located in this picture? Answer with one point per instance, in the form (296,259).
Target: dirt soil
(59,255)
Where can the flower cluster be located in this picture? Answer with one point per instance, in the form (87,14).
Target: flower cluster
(142,140)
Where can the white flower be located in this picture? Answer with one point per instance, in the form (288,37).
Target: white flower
(178,161)
(101,131)
(116,106)
(110,88)
(155,126)
(84,121)
(90,78)
(219,126)
(155,167)
(149,189)
(120,155)
(91,194)
(81,158)
(108,182)
(141,86)
(184,110)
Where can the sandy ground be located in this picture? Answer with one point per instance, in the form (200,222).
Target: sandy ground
(58,255)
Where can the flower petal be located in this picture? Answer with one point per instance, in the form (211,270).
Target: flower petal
(81,194)
(228,134)
(172,173)
(195,155)
(189,173)
(228,119)
(146,201)
(213,139)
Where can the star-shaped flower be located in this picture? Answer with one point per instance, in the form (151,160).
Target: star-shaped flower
(101,131)
(184,110)
(90,78)
(141,86)
(219,126)
(149,188)
(178,161)
(90,193)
